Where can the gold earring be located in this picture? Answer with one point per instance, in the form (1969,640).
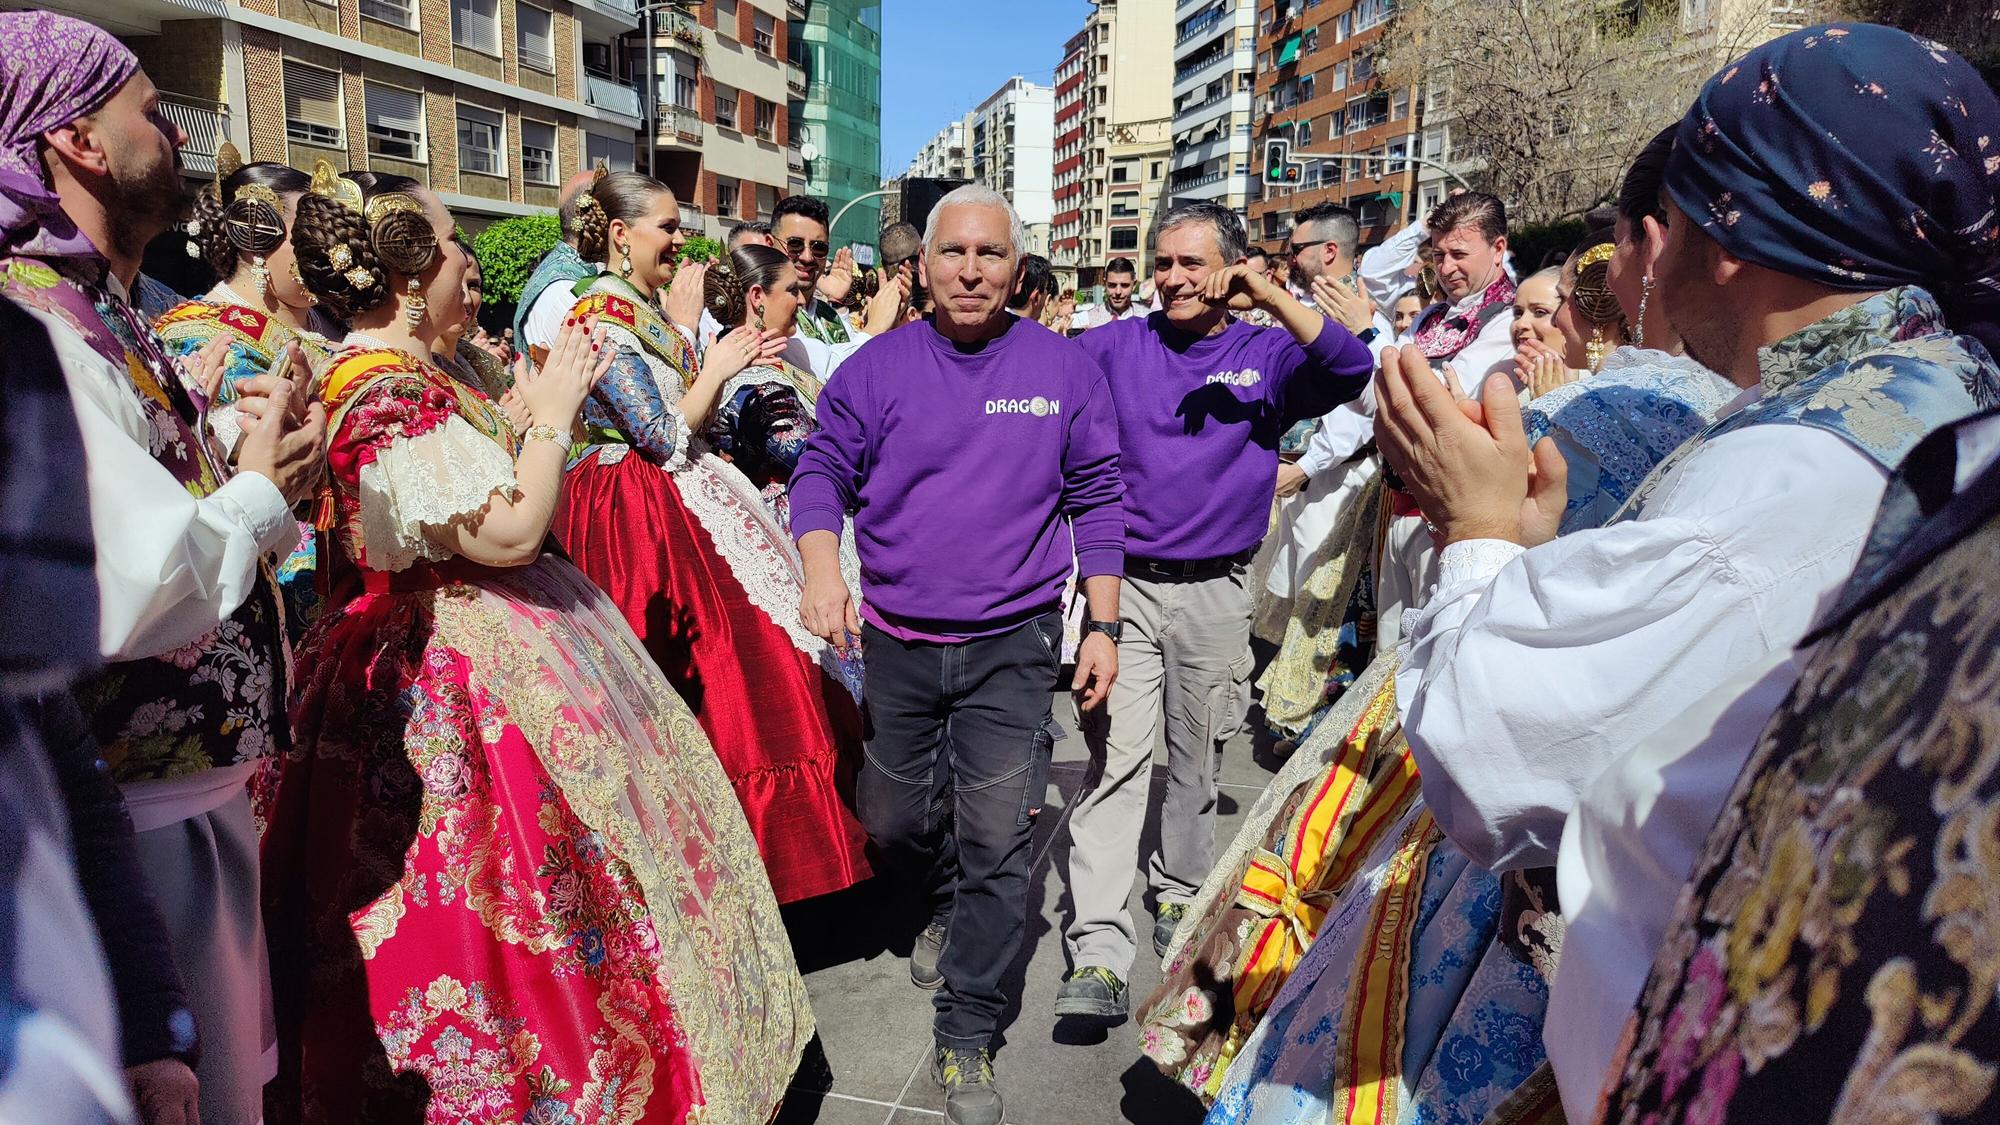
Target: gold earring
(298,280)
(1593,352)
(414,304)
(625,267)
(260,277)
(760,317)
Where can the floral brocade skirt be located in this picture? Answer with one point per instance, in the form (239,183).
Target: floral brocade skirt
(787,733)
(505,878)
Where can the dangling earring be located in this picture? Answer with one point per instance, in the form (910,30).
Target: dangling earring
(1593,352)
(625,267)
(312,298)
(760,317)
(414,305)
(260,277)
(1645,294)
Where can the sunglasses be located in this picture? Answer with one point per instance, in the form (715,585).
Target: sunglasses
(797,246)
(1294,249)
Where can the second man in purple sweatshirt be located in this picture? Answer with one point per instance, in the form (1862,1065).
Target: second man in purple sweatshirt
(967,446)
(1203,399)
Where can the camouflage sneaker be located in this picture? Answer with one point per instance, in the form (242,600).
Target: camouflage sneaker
(1095,992)
(1166,923)
(966,1074)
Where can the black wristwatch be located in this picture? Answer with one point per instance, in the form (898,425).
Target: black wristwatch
(1367,335)
(1112,629)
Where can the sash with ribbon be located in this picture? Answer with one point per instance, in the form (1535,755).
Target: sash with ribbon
(1369,1048)
(1370,783)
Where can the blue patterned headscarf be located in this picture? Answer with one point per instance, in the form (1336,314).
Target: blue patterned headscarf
(1858,156)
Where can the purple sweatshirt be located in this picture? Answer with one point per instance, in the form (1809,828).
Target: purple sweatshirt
(965,473)
(1199,419)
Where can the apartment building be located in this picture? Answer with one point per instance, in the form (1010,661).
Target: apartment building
(1113,118)
(839,115)
(490,102)
(725,76)
(1011,146)
(1215,48)
(945,157)
(1317,87)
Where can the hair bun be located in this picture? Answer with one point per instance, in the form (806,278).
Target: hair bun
(404,241)
(593,226)
(722,293)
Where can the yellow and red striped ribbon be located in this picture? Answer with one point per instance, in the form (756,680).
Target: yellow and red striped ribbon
(1370,782)
(1369,1050)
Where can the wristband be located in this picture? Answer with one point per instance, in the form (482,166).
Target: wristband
(545,433)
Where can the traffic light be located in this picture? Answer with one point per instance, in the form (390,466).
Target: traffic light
(1279,170)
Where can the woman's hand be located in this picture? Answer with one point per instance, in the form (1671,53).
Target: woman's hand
(511,403)
(1540,369)
(555,392)
(737,350)
(684,295)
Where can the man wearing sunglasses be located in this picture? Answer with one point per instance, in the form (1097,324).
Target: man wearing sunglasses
(799,224)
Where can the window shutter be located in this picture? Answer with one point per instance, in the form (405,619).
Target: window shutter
(476,24)
(537,36)
(312,103)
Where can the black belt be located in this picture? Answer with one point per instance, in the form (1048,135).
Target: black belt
(1188,570)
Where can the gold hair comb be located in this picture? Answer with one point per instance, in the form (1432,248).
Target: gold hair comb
(332,185)
(228,162)
(390,203)
(1596,256)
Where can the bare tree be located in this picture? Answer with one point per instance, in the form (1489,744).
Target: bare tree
(1548,103)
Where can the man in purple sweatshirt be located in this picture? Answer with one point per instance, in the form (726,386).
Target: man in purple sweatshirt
(1203,399)
(978,453)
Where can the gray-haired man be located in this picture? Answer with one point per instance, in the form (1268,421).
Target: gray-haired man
(1203,400)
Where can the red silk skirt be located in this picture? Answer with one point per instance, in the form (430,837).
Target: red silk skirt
(788,734)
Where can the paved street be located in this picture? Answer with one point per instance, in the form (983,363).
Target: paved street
(871,1064)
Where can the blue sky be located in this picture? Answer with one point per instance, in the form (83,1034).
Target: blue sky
(941,57)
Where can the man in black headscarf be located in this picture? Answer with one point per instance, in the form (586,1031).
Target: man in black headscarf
(1833,224)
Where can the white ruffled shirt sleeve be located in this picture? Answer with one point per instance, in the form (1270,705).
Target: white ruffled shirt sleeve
(418,487)
(1529,672)
(170,566)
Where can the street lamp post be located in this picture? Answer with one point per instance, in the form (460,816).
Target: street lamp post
(648,99)
(835,224)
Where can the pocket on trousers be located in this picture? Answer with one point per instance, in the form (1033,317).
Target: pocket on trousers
(1229,709)
(1036,790)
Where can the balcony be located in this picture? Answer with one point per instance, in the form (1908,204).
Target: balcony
(203,121)
(606,92)
(1199,27)
(608,16)
(682,29)
(798,9)
(692,220)
(679,126)
(795,161)
(795,79)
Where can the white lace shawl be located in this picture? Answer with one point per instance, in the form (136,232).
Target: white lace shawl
(417,487)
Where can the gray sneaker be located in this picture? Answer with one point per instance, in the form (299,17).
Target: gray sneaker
(1095,992)
(1165,923)
(970,1097)
(924,954)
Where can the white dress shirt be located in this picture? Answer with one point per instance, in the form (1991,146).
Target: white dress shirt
(1385,269)
(801,351)
(545,317)
(1346,428)
(1637,832)
(1531,671)
(170,567)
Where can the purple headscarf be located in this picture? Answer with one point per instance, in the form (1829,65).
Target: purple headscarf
(53,70)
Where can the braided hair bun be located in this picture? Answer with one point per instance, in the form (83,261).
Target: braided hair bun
(242,215)
(727,285)
(613,195)
(346,260)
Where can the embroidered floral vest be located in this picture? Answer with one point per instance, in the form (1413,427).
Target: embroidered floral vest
(220,700)
(375,396)
(1880,374)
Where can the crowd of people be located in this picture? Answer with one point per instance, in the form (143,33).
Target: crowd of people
(428,724)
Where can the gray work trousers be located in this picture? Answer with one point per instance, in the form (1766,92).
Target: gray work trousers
(1185,653)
